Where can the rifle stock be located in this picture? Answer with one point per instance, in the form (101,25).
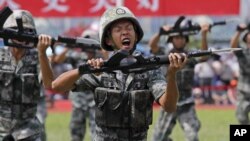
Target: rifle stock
(5,13)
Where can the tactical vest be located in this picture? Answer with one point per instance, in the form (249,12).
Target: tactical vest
(123,107)
(185,78)
(244,63)
(19,84)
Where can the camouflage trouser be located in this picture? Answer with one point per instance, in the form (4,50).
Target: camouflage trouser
(120,134)
(42,114)
(20,130)
(78,123)
(186,115)
(243,107)
(31,138)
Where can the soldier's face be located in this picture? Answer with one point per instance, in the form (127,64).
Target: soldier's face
(123,35)
(179,42)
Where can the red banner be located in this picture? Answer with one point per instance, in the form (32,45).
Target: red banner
(90,8)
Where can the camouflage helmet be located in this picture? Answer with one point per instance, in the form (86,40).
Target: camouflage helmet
(112,15)
(27,19)
(88,33)
(92,31)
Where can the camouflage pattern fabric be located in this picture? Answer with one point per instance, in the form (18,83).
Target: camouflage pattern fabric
(186,116)
(42,114)
(243,107)
(19,94)
(83,103)
(83,109)
(243,89)
(127,82)
(110,16)
(29,129)
(120,134)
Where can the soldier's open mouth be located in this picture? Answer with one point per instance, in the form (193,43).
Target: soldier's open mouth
(126,42)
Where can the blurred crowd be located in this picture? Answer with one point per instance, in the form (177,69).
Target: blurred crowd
(216,80)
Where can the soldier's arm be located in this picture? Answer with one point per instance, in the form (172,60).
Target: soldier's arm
(204,45)
(169,100)
(60,58)
(46,71)
(66,81)
(235,39)
(204,31)
(153,43)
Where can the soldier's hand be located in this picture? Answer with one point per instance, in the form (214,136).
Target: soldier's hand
(241,27)
(44,41)
(96,63)
(177,61)
(164,28)
(205,28)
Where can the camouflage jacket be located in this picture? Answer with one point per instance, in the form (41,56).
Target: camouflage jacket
(244,64)
(20,91)
(117,105)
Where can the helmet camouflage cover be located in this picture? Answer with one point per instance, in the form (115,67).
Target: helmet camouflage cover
(89,33)
(27,19)
(112,15)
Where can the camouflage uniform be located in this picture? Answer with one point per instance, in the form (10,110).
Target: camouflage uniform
(185,113)
(82,102)
(83,108)
(42,111)
(124,103)
(19,88)
(243,89)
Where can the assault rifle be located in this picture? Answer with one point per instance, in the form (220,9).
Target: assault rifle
(189,29)
(31,40)
(140,63)
(86,44)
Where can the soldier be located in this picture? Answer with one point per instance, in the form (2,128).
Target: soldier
(82,102)
(19,84)
(185,113)
(123,100)
(243,89)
